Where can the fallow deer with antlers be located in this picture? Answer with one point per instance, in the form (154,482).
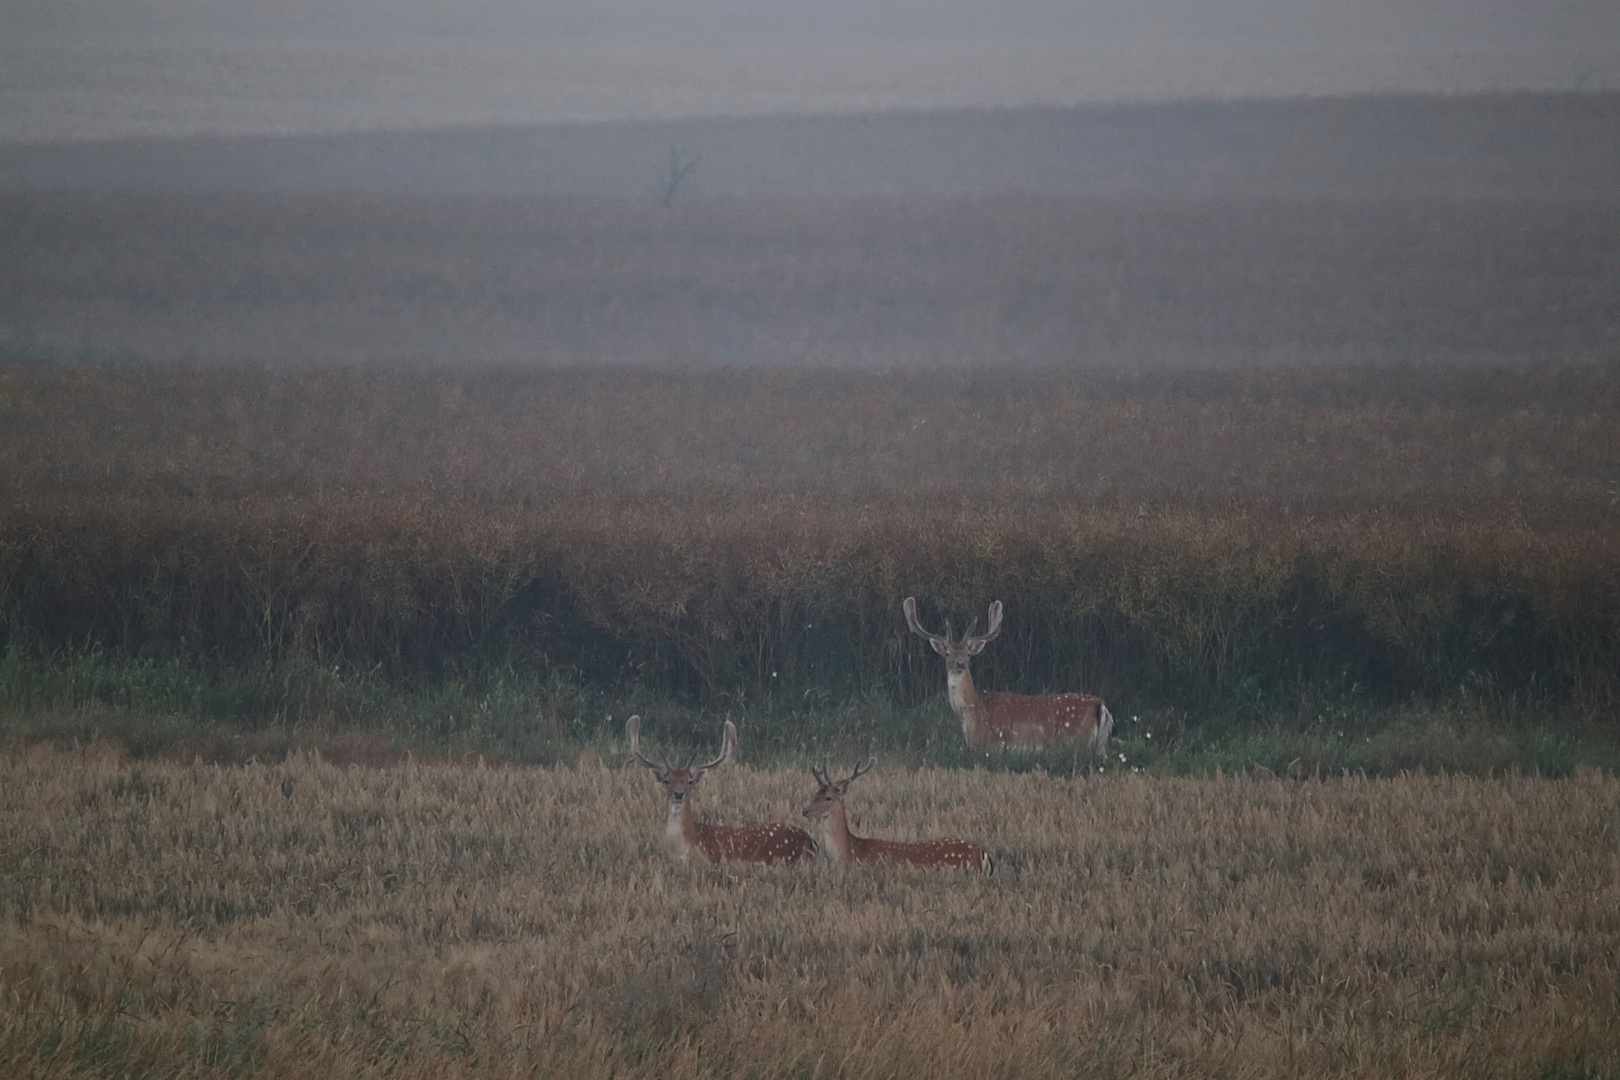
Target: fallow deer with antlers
(1010,720)
(684,835)
(827,807)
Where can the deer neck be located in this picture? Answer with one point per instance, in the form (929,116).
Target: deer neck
(965,700)
(681,831)
(836,835)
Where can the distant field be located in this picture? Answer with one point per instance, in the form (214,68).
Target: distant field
(904,281)
(1482,145)
(303,918)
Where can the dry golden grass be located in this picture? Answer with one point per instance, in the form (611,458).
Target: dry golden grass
(302,918)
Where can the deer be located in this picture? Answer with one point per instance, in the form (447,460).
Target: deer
(685,836)
(1010,720)
(827,807)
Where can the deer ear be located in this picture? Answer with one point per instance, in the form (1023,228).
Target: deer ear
(976,647)
(939,646)
(694,775)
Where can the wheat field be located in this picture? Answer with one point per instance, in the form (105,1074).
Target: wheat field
(452,919)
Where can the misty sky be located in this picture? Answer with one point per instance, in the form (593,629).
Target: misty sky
(77,69)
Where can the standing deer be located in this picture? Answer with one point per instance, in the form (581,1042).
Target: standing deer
(1005,720)
(827,807)
(684,834)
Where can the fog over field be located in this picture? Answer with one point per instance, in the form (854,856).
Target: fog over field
(1166,182)
(1365,230)
(98,69)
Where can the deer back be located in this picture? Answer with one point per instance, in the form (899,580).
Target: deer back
(948,851)
(1040,719)
(827,806)
(755,843)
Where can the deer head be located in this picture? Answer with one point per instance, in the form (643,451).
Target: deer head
(832,792)
(956,653)
(678,781)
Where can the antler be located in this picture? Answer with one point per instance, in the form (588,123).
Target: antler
(938,642)
(990,634)
(917,628)
(862,769)
(632,731)
(728,744)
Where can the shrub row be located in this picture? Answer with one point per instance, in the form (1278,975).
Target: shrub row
(1210,542)
(1197,610)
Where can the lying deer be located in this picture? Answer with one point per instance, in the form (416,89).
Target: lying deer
(827,807)
(684,834)
(993,719)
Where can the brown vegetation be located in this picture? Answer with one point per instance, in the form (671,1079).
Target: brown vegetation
(301,918)
(1153,539)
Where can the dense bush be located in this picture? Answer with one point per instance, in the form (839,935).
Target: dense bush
(757,534)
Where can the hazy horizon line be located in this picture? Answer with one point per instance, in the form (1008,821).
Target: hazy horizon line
(52,94)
